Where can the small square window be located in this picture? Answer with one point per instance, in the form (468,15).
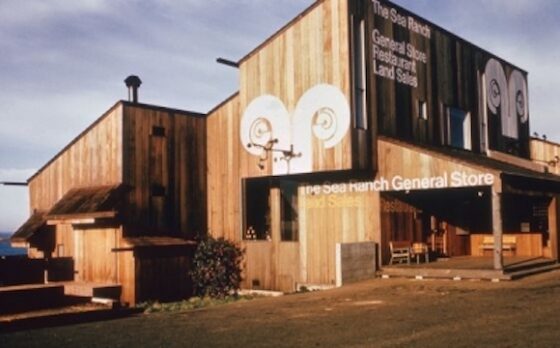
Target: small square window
(422,110)
(459,128)
(157,190)
(158,131)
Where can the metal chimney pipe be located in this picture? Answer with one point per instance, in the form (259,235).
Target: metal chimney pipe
(133,82)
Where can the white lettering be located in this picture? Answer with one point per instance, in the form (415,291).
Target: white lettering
(400,183)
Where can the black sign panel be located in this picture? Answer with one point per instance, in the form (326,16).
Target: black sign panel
(429,86)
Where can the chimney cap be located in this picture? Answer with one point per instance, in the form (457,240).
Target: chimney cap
(133,81)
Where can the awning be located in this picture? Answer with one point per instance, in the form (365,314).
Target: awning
(31,227)
(133,243)
(86,205)
(517,174)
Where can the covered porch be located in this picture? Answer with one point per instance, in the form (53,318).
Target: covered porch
(450,204)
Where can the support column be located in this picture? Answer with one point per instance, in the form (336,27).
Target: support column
(553,227)
(497,230)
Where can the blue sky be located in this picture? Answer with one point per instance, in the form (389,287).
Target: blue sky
(62,63)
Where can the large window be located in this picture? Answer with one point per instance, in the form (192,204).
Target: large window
(257,224)
(359,72)
(459,128)
(265,199)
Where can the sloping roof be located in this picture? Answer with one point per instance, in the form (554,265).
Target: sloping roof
(30,227)
(88,202)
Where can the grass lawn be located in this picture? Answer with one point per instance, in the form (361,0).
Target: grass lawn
(377,313)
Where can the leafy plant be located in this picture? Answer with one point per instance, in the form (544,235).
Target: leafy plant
(216,268)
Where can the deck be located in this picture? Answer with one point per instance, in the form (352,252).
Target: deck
(21,298)
(472,267)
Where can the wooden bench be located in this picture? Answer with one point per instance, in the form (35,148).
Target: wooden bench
(400,251)
(509,243)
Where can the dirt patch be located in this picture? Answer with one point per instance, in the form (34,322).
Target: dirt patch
(378,313)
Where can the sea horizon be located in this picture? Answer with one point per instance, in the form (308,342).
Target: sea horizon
(5,247)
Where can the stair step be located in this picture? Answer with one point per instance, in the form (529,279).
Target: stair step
(535,270)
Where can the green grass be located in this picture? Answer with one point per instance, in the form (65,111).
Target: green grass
(192,303)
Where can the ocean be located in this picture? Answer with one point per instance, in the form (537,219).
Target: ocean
(6,249)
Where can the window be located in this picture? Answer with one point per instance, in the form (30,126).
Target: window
(422,110)
(263,197)
(459,128)
(257,224)
(289,211)
(158,131)
(359,73)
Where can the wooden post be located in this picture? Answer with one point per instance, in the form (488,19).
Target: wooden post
(497,230)
(553,227)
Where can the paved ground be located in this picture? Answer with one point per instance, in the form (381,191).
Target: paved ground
(378,313)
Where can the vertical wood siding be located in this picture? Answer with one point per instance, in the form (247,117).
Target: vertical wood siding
(94,158)
(167,173)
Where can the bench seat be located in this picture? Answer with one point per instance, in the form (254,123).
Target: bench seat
(509,243)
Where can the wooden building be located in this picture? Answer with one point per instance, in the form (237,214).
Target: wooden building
(360,122)
(356,126)
(125,200)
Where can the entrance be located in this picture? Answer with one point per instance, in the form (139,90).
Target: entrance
(441,220)
(271,234)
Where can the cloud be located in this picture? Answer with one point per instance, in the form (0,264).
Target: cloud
(36,12)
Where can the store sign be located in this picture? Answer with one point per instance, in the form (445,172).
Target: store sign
(396,59)
(454,179)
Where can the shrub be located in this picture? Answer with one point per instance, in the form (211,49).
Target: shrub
(216,268)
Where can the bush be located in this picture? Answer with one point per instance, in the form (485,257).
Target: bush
(216,268)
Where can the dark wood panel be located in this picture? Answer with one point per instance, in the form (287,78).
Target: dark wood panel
(165,154)
(449,77)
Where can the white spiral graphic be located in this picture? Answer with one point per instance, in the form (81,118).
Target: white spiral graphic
(260,131)
(325,109)
(498,96)
(322,112)
(496,88)
(264,119)
(518,96)
(324,124)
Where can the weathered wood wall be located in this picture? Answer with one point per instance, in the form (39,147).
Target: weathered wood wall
(165,165)
(345,218)
(311,50)
(528,244)
(162,274)
(408,161)
(224,154)
(93,256)
(546,153)
(93,158)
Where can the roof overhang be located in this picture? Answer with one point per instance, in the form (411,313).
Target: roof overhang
(30,228)
(87,205)
(134,243)
(514,175)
